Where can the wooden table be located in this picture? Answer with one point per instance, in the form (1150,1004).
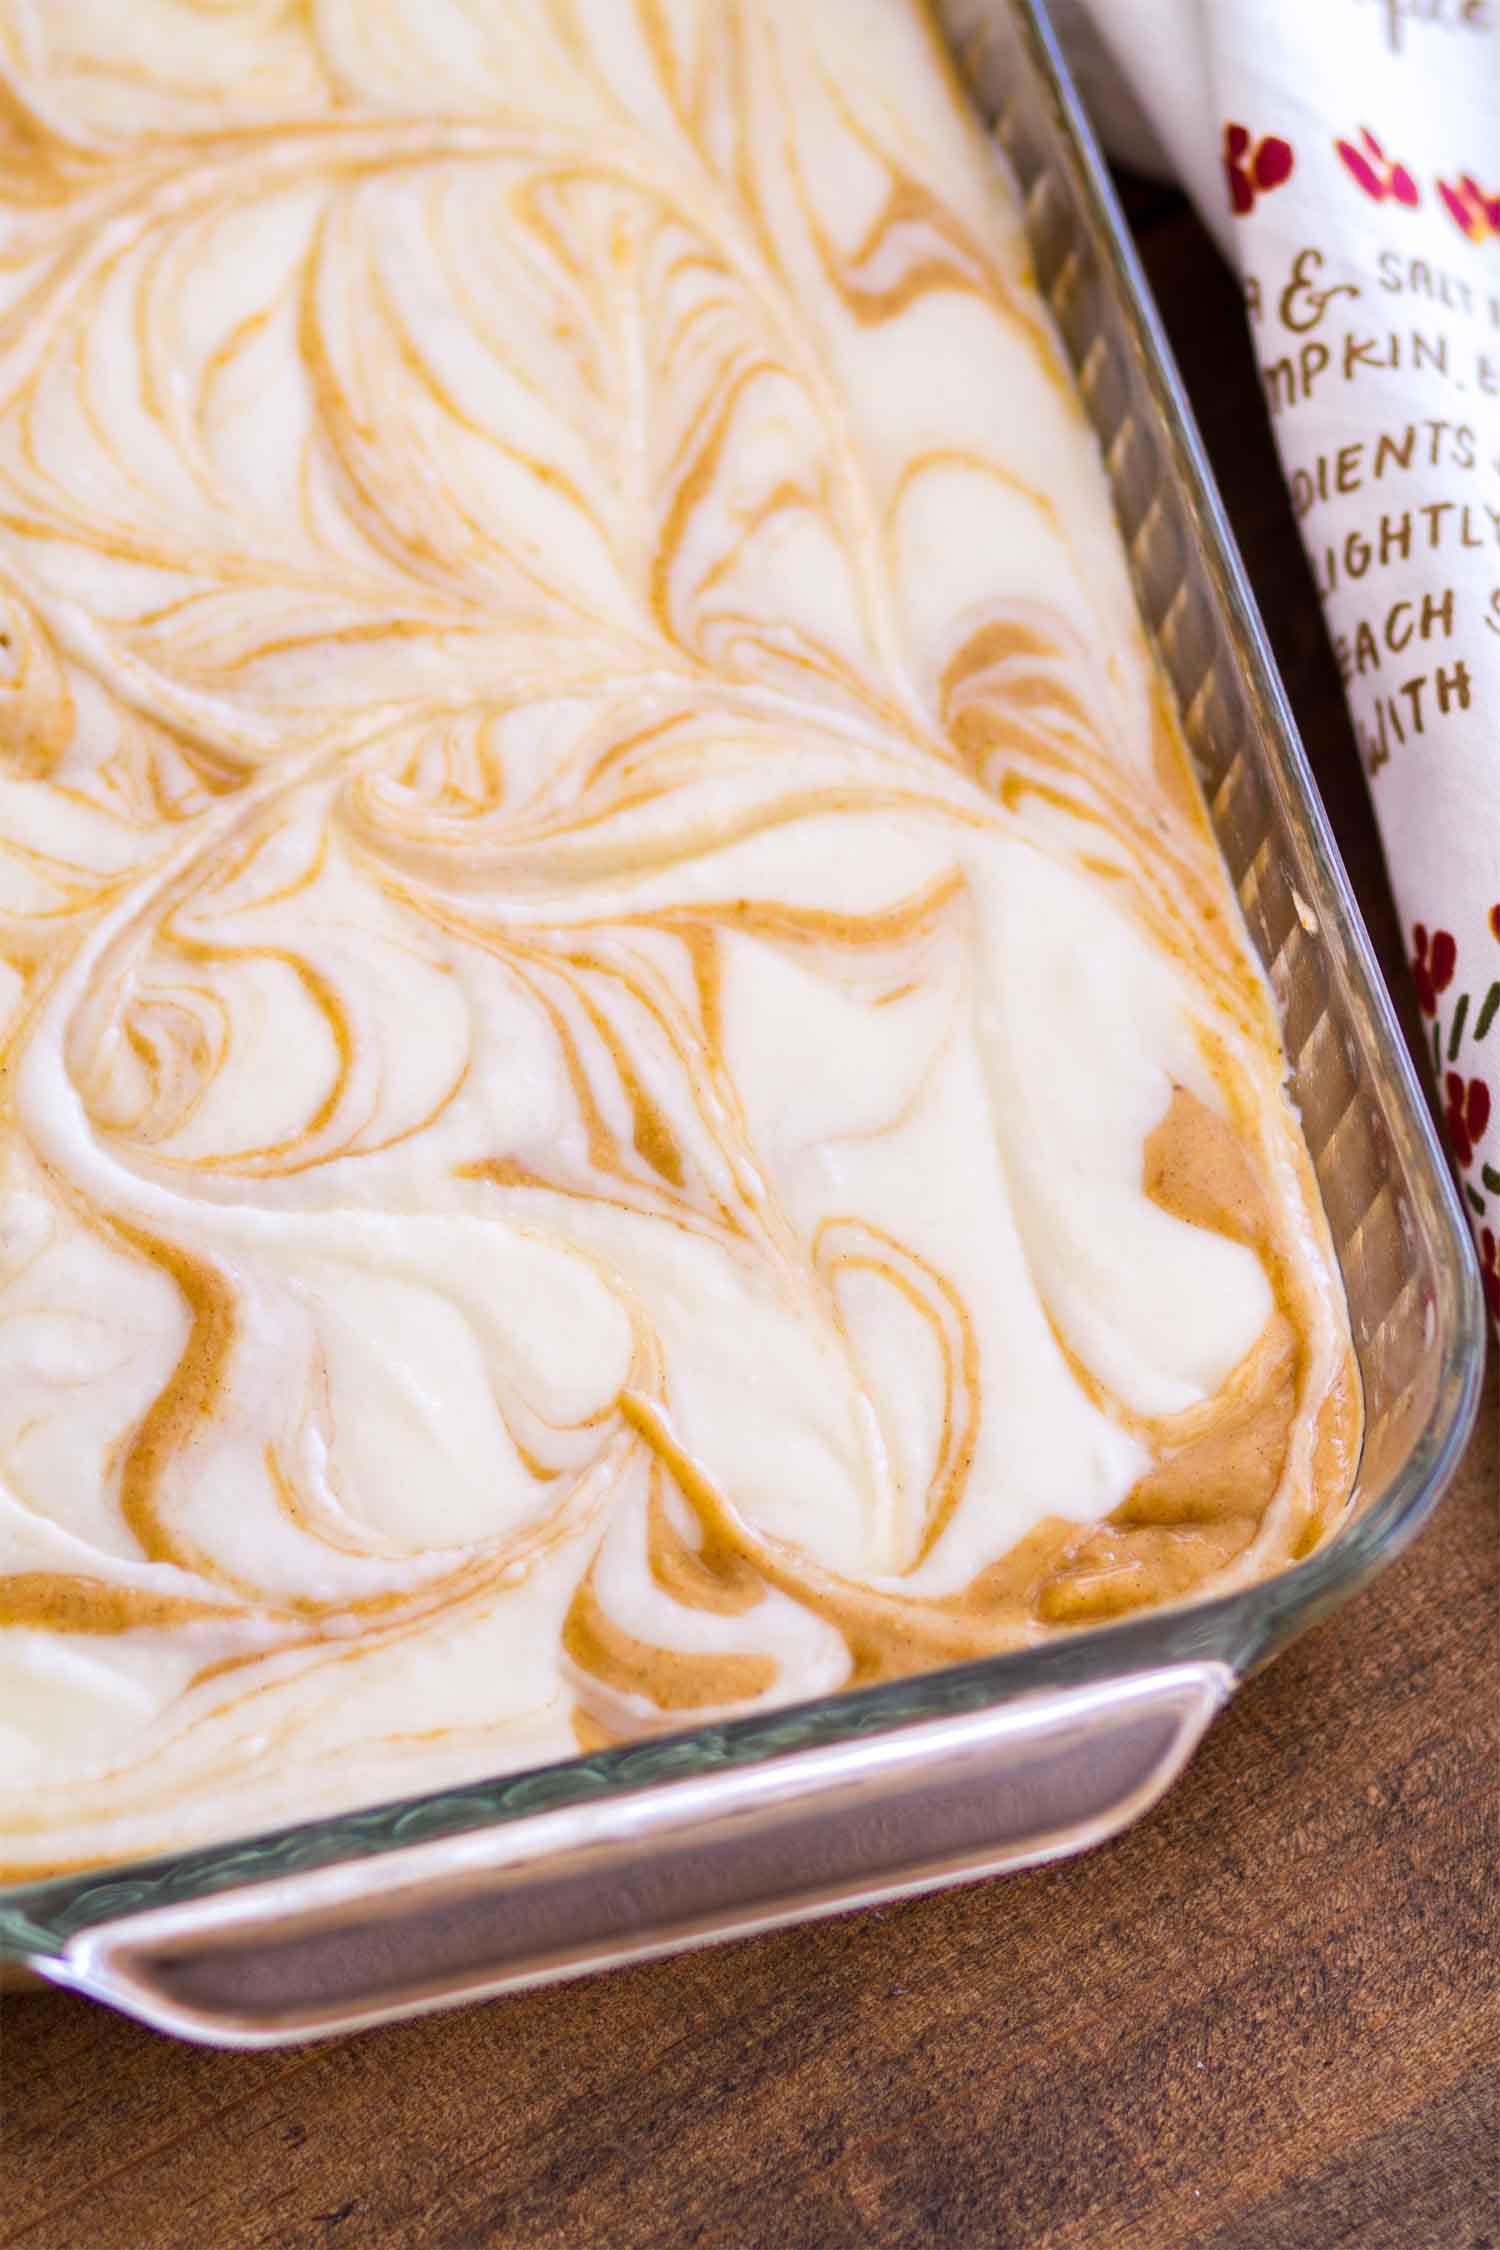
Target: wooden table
(1258,2022)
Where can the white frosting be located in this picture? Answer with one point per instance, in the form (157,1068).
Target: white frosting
(512,949)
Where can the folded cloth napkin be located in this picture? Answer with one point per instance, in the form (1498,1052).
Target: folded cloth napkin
(1346,155)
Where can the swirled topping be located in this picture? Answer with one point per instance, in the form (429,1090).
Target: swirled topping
(631,1085)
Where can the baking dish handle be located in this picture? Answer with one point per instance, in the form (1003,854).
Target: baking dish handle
(624,1876)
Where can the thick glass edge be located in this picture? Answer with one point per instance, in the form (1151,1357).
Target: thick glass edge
(1459,1309)
(1287,763)
(1379,1532)
(1241,1629)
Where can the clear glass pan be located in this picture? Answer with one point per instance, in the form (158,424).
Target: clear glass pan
(711,1833)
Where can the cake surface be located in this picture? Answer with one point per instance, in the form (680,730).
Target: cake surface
(632,1087)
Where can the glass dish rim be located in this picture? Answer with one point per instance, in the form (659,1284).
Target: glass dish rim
(1241,1629)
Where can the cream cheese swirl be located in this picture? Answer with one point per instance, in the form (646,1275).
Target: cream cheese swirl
(631,1086)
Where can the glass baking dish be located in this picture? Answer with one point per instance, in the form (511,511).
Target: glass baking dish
(712,1833)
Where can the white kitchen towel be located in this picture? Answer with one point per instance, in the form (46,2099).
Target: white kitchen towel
(1346,155)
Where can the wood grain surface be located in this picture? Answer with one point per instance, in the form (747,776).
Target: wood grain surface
(1266,2019)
